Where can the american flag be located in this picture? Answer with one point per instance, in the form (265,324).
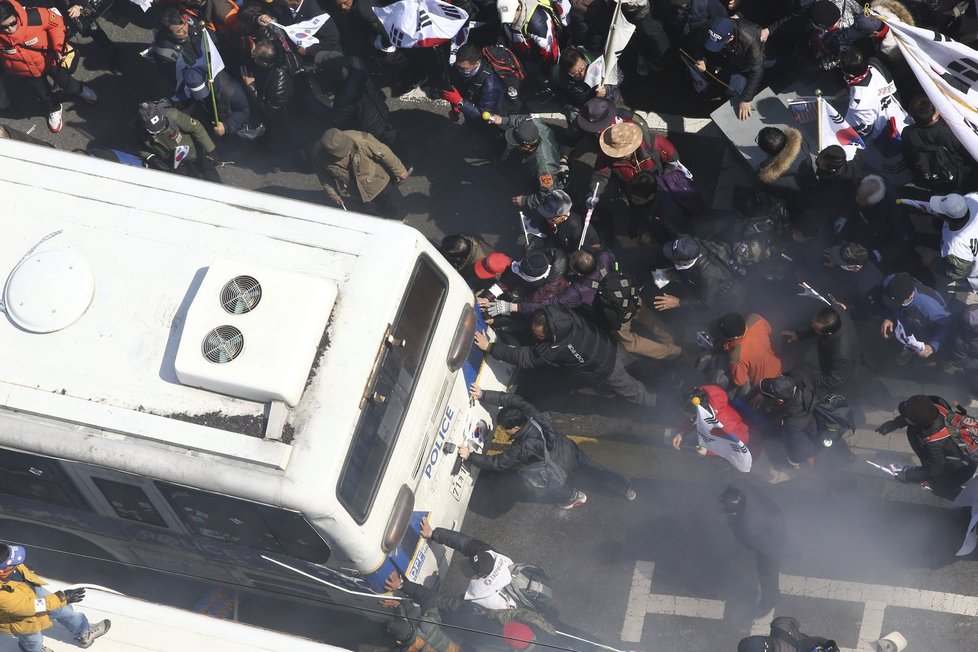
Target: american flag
(804,109)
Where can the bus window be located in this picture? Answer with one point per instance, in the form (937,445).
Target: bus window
(38,478)
(377,430)
(129,502)
(245,523)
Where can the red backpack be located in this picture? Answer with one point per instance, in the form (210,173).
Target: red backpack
(962,428)
(506,66)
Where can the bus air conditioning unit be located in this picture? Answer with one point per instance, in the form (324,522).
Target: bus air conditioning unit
(253,332)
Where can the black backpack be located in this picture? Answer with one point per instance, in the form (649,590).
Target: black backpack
(507,67)
(617,293)
(833,417)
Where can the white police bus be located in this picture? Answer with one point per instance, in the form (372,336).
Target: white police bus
(195,377)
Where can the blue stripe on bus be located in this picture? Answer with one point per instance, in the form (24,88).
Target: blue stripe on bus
(401,558)
(472,364)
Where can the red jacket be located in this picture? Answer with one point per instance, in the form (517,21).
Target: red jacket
(30,51)
(732,422)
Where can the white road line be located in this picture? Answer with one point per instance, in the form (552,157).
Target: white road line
(641,602)
(875,598)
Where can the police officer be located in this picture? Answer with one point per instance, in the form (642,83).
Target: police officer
(179,140)
(538,143)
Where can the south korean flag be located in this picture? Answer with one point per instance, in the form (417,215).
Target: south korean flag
(421,23)
(722,444)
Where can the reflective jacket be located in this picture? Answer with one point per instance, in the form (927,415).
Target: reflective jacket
(21,610)
(30,51)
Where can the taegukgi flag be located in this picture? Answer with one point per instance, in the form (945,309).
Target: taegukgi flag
(303,34)
(421,23)
(948,72)
(834,130)
(618,36)
(713,438)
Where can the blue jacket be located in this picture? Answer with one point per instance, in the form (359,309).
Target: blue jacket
(926,318)
(484,91)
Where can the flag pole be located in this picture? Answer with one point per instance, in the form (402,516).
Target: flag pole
(210,76)
(818,124)
(607,44)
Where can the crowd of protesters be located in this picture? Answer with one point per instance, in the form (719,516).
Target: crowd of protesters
(884,265)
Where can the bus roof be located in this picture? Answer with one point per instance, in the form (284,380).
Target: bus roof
(119,264)
(138,625)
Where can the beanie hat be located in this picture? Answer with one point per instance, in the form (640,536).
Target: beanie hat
(825,14)
(833,155)
(518,636)
(898,290)
(755,644)
(336,143)
(152,117)
(781,388)
(556,203)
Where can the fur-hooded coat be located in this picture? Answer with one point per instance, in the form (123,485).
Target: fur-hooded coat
(790,171)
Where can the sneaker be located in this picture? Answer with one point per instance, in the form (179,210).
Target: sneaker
(98,629)
(88,94)
(777,476)
(577,500)
(631,495)
(54,120)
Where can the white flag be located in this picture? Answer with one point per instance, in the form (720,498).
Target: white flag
(948,73)
(908,341)
(421,23)
(145,5)
(834,130)
(618,36)
(594,75)
(720,443)
(303,34)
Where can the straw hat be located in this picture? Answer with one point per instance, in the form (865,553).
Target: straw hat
(621,139)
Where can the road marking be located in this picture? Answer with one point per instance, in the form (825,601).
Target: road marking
(641,602)
(875,598)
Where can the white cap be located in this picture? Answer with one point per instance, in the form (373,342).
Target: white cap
(953,205)
(507,11)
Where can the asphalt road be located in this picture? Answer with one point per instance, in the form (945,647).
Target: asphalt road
(663,572)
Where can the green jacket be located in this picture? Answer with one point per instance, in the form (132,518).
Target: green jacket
(371,165)
(543,164)
(181,130)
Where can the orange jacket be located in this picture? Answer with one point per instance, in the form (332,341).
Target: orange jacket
(751,356)
(30,51)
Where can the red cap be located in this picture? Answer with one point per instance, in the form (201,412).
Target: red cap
(518,636)
(487,268)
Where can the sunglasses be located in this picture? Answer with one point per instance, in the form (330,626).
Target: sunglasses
(9,26)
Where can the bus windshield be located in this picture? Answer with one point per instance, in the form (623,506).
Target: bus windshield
(397,376)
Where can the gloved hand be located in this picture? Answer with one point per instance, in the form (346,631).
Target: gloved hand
(889,426)
(591,202)
(497,308)
(72,596)
(452,96)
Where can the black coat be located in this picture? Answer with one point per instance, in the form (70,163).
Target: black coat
(358,104)
(744,55)
(799,410)
(575,344)
(838,354)
(527,446)
(759,525)
(942,463)
(711,283)
(790,173)
(921,145)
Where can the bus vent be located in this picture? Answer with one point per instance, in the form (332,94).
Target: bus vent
(223,344)
(240,295)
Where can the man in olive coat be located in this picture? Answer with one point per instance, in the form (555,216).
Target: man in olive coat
(355,165)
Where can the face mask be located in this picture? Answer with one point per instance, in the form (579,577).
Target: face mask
(471,72)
